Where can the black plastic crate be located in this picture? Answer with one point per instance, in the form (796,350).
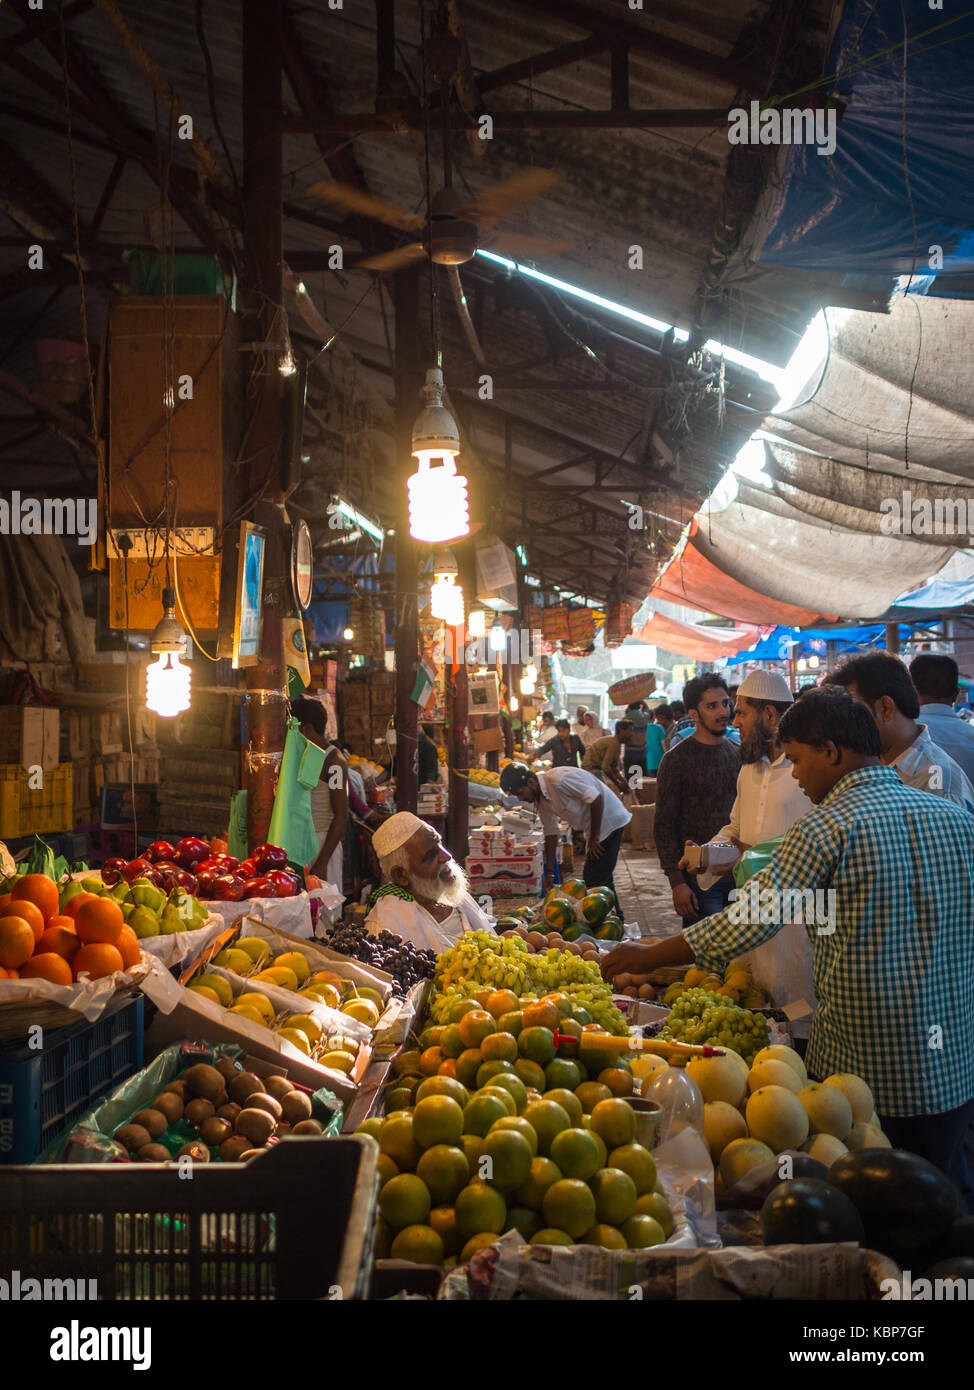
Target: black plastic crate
(296,1222)
(43,1090)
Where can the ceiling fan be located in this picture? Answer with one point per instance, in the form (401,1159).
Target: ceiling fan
(458,226)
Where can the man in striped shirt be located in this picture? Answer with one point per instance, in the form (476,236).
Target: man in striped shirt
(894,959)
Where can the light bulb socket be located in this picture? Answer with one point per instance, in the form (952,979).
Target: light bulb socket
(435,429)
(168,634)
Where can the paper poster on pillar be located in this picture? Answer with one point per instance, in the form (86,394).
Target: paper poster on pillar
(432,644)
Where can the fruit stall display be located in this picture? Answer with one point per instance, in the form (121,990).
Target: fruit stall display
(216,1113)
(406,963)
(218,877)
(499,1122)
(570,912)
(62,936)
(482,960)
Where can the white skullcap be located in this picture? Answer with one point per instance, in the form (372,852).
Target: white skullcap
(766,685)
(393,833)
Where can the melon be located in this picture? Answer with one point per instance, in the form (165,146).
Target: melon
(827,1108)
(719,1078)
(856,1092)
(645,1065)
(777,1052)
(722,1124)
(825,1147)
(740,1156)
(806,1211)
(773,1073)
(777,1117)
(866,1137)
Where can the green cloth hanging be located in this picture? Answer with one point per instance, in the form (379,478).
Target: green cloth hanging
(237,829)
(291,825)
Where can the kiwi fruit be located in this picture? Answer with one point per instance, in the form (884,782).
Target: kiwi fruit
(232,1150)
(152,1120)
(244,1084)
(308,1127)
(177,1088)
(169,1105)
(214,1130)
(132,1137)
(255,1125)
(296,1106)
(153,1153)
(262,1101)
(227,1068)
(197,1111)
(230,1111)
(203,1080)
(221,1099)
(196,1150)
(250,1153)
(278,1087)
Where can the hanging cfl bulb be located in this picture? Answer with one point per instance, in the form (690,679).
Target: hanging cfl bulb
(167,681)
(514,704)
(802,664)
(438,509)
(531,672)
(477,623)
(498,637)
(813,663)
(446,595)
(527,685)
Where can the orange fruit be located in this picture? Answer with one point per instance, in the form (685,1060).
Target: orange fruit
(63,920)
(475,1026)
(4,899)
(97,958)
(543,1014)
(47,966)
(29,911)
(75,904)
(60,940)
(128,947)
(39,890)
(17,942)
(100,921)
(8,974)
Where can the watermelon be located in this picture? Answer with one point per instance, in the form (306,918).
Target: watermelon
(611,929)
(574,887)
(573,932)
(559,912)
(904,1200)
(595,907)
(807,1211)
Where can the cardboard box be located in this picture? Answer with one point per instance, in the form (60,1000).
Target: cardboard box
(30,735)
(488,740)
(645,793)
(641,827)
(710,857)
(504,877)
(495,843)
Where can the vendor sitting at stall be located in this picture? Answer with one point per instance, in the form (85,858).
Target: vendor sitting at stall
(424,897)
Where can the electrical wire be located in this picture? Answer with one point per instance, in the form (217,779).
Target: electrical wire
(913,263)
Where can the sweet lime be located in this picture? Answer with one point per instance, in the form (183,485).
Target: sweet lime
(505,1159)
(576,1153)
(419,1244)
(475,1243)
(548,1119)
(607,1236)
(499,1047)
(524,1220)
(549,1236)
(615,1121)
(569,1102)
(405,1201)
(475,1026)
(398,1142)
(488,1070)
(445,1171)
(443,1086)
(642,1231)
(437,1120)
(530,1073)
(480,1113)
(444,1222)
(519,1125)
(500,1093)
(615,1195)
(468,1064)
(480,1208)
(590,1093)
(531,1192)
(654,1204)
(638,1163)
(568,1205)
(451,1041)
(509,1081)
(563,1074)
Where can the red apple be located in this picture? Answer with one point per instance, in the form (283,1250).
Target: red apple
(269,857)
(175,877)
(112,870)
(160,850)
(287,884)
(247,869)
(190,851)
(137,868)
(227,888)
(260,888)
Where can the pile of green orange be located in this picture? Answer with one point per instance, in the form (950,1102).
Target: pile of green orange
(518,1133)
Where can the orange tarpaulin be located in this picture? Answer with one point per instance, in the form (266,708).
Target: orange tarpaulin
(691,579)
(700,643)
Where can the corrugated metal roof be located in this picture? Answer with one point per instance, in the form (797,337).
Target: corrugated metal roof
(660,189)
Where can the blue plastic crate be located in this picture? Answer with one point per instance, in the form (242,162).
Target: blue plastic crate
(43,1091)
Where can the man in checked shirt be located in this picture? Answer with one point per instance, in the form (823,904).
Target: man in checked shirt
(894,966)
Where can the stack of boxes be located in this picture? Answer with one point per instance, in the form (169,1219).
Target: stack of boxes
(35,789)
(501,864)
(367,707)
(433,800)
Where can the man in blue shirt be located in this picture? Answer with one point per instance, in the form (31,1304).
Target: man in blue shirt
(893,965)
(937,683)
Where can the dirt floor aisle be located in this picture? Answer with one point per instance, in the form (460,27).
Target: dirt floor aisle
(644,893)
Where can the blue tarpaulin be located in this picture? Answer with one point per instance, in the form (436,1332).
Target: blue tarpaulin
(899,182)
(811,641)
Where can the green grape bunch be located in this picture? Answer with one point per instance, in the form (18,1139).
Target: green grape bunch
(701,1016)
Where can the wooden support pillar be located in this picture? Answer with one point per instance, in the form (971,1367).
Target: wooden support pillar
(893,638)
(409,379)
(266,682)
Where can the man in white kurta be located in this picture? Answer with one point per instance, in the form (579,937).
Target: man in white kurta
(768,803)
(424,897)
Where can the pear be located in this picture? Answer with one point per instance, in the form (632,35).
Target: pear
(143,922)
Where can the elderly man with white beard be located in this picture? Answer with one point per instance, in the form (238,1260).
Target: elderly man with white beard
(424,897)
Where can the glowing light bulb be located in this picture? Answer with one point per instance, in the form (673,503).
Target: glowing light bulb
(167,683)
(527,686)
(438,508)
(446,600)
(514,704)
(498,638)
(477,623)
(348,634)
